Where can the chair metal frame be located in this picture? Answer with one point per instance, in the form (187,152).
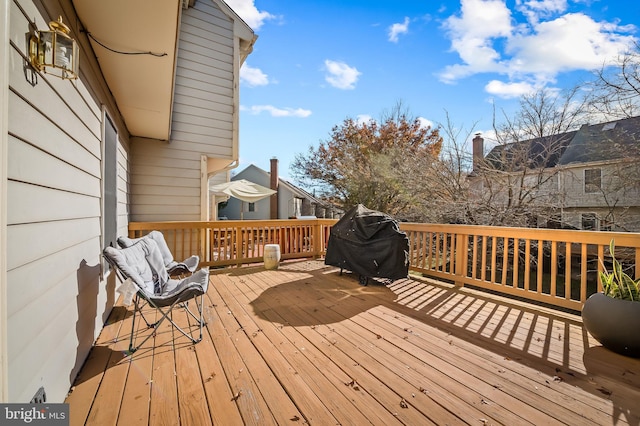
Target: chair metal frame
(164,306)
(140,300)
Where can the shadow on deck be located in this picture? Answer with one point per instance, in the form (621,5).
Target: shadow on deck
(305,345)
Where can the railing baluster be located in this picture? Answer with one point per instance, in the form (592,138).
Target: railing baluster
(483,272)
(567,272)
(494,249)
(541,263)
(527,264)
(554,268)
(516,263)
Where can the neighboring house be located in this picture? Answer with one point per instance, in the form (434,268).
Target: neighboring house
(591,177)
(136,137)
(289,202)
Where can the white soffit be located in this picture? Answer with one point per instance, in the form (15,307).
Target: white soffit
(141,84)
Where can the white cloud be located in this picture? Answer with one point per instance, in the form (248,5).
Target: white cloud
(396,29)
(509,90)
(535,10)
(532,53)
(363,118)
(253,76)
(277,112)
(425,122)
(472,35)
(247,10)
(571,42)
(341,75)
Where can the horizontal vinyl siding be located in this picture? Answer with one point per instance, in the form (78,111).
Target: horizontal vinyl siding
(205,72)
(166,177)
(56,297)
(617,194)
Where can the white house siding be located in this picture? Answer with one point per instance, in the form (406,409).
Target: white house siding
(286,199)
(57,299)
(616,202)
(613,192)
(165,181)
(167,176)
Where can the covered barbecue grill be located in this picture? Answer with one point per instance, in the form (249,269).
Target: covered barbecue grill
(368,243)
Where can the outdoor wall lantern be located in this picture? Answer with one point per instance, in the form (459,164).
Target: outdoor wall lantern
(54,52)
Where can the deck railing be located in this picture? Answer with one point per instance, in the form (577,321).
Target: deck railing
(557,267)
(238,242)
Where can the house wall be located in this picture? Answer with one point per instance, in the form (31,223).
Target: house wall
(57,296)
(614,191)
(167,181)
(285,202)
(616,202)
(564,189)
(4,124)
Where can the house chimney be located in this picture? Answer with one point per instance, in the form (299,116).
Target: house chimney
(274,186)
(478,151)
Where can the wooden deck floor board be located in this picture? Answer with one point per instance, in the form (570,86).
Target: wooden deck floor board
(305,345)
(265,339)
(423,370)
(220,397)
(378,364)
(164,409)
(246,392)
(134,409)
(344,398)
(542,379)
(93,371)
(517,394)
(502,358)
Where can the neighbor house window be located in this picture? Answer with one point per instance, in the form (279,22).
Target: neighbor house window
(589,221)
(592,180)
(252,207)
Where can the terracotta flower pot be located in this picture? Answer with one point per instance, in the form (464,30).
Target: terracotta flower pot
(613,322)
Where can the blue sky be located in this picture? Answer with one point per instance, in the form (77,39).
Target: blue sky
(318,62)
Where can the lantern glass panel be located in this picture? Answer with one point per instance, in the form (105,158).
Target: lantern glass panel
(64,53)
(47,45)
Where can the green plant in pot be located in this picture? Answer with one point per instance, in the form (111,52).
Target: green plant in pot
(613,316)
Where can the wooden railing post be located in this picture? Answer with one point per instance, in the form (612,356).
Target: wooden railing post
(462,258)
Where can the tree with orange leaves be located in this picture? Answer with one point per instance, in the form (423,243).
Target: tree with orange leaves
(384,165)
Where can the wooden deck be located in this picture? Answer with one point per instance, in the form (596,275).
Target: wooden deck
(304,345)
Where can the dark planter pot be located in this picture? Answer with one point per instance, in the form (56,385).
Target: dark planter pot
(613,322)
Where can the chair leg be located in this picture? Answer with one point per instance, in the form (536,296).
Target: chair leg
(139,304)
(199,319)
(166,314)
(133,323)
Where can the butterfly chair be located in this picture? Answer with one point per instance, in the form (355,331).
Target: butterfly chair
(187,266)
(142,263)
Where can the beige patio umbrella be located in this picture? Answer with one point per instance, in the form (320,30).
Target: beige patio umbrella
(243,190)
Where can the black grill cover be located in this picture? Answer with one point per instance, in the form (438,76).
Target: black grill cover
(369,243)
